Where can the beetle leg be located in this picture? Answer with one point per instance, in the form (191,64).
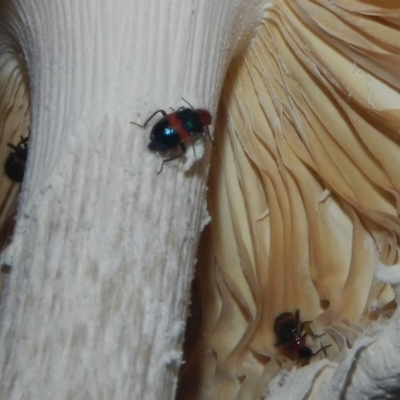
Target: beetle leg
(24,140)
(309,333)
(21,148)
(297,317)
(322,348)
(303,324)
(11,146)
(183,148)
(150,118)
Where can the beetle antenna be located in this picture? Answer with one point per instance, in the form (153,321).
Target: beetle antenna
(321,349)
(187,103)
(183,149)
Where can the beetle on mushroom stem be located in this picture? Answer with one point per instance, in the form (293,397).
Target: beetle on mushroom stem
(175,129)
(288,329)
(16,161)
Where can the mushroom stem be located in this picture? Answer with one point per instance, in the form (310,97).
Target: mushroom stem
(103,252)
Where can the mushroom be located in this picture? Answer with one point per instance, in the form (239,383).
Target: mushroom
(103,249)
(303,196)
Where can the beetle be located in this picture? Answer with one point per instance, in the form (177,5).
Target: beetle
(5,268)
(16,161)
(288,329)
(175,129)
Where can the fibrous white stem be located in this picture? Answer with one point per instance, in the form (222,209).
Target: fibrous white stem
(104,247)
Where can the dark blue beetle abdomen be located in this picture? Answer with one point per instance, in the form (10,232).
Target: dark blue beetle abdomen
(163,137)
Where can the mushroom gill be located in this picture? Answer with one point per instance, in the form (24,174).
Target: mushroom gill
(304,194)
(14,122)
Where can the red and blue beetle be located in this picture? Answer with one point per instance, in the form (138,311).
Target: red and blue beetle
(175,129)
(288,329)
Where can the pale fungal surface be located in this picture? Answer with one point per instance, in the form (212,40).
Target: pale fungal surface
(304,196)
